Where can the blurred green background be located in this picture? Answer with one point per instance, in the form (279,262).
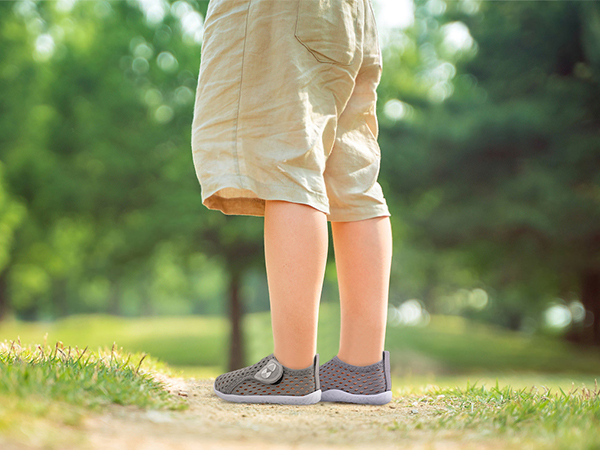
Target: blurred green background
(490,134)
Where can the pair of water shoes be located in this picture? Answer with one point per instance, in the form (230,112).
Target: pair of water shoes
(268,381)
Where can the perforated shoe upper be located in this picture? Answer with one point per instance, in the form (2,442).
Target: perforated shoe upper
(364,380)
(292,382)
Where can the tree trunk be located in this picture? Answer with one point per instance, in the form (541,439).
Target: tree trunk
(4,300)
(428,293)
(590,297)
(236,350)
(61,304)
(146,307)
(114,299)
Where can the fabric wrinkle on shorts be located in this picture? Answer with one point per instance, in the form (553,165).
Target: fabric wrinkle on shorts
(285,107)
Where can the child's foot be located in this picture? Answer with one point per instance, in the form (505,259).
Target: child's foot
(341,382)
(268,381)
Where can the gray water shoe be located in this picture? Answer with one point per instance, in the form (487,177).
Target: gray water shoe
(268,381)
(342,382)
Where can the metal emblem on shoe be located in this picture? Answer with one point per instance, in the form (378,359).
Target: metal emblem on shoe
(271,373)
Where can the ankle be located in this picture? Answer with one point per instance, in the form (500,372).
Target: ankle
(359,360)
(295,363)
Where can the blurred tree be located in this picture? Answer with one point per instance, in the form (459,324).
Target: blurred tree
(238,242)
(504,162)
(11,215)
(103,94)
(490,160)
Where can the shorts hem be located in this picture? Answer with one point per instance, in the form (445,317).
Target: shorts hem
(356,214)
(250,199)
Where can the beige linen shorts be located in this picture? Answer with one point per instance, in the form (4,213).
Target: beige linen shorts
(285,107)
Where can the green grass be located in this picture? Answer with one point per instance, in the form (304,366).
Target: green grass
(45,387)
(186,341)
(459,381)
(80,377)
(448,346)
(459,345)
(527,418)
(422,383)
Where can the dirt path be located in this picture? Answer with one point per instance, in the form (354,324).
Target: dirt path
(212,423)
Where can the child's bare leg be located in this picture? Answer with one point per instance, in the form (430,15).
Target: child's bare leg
(295,255)
(363,256)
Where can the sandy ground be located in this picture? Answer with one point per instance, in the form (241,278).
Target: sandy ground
(213,423)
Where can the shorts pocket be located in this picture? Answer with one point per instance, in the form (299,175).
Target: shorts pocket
(327,28)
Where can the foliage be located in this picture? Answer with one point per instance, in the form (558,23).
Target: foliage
(112,200)
(489,161)
(503,169)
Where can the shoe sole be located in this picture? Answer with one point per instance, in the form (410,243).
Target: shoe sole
(335,395)
(309,399)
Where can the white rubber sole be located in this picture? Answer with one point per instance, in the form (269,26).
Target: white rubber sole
(309,399)
(335,395)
